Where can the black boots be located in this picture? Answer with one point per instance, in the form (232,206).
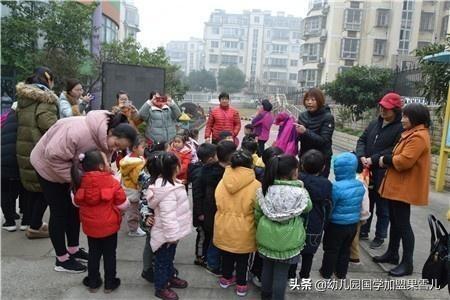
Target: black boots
(403,269)
(388,257)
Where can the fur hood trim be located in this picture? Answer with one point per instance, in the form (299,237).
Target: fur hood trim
(34,92)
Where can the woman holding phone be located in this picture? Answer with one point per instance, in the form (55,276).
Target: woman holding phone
(72,103)
(126,107)
(161,114)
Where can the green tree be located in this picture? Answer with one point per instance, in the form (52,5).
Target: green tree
(435,76)
(201,81)
(231,79)
(131,52)
(360,88)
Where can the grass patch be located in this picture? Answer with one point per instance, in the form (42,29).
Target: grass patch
(350,131)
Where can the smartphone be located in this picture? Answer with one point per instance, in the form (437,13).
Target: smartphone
(161,99)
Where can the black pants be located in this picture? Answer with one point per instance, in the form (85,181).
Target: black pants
(257,265)
(307,260)
(336,246)
(35,206)
(201,242)
(399,215)
(99,247)
(11,189)
(228,266)
(64,217)
(261,147)
(326,170)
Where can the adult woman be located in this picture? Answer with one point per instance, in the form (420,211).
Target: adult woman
(160,115)
(262,123)
(378,139)
(406,183)
(315,127)
(124,106)
(53,157)
(37,111)
(71,101)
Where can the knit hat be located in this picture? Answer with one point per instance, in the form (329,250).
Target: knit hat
(391,101)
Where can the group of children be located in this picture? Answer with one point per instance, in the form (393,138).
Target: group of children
(263,212)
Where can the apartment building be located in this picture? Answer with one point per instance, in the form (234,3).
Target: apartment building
(265,47)
(189,55)
(340,34)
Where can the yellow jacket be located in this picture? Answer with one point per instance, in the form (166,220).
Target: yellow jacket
(234,223)
(130,167)
(257,161)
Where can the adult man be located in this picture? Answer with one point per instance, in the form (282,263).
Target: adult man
(379,139)
(223,118)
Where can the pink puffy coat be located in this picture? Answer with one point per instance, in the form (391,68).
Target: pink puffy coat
(173,215)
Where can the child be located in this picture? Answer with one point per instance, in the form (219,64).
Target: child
(130,168)
(280,232)
(100,197)
(173,216)
(191,137)
(319,188)
(184,154)
(207,153)
(347,195)
(248,133)
(251,146)
(211,174)
(226,136)
(234,224)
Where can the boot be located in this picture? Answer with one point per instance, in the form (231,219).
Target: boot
(37,234)
(388,257)
(403,269)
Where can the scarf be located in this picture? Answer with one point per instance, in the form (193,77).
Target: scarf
(74,103)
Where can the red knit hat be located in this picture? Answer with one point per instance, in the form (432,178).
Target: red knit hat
(391,101)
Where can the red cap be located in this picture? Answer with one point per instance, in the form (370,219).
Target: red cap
(391,100)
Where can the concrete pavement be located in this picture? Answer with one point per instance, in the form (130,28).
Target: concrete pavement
(27,269)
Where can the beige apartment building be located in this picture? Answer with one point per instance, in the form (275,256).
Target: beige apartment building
(340,34)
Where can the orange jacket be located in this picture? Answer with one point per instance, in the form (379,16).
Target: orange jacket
(223,120)
(408,177)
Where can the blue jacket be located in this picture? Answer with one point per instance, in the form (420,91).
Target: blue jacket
(348,192)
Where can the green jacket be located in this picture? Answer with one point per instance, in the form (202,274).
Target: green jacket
(280,232)
(161,122)
(37,111)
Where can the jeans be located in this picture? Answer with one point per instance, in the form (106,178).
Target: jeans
(382,211)
(400,214)
(35,206)
(147,255)
(228,266)
(164,269)
(336,246)
(11,189)
(99,247)
(274,279)
(213,256)
(64,216)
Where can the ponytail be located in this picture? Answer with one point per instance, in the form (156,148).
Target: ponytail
(270,174)
(116,119)
(75,173)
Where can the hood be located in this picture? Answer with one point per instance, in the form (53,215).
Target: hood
(184,150)
(238,178)
(345,166)
(156,192)
(281,118)
(90,191)
(97,122)
(29,94)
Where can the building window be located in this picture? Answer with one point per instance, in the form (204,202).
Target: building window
(408,4)
(230,45)
(311,52)
(296,35)
(279,48)
(216,19)
(403,47)
(256,19)
(232,32)
(241,59)
(295,49)
(427,21)
(382,17)
(294,62)
(215,30)
(349,48)
(447,5)
(421,45)
(313,25)
(214,44)
(280,34)
(444,27)
(354,4)
(352,19)
(277,76)
(379,48)
(292,76)
(110,30)
(278,62)
(405,29)
(229,60)
(311,78)
(213,58)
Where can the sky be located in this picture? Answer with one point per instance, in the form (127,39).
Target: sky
(162,21)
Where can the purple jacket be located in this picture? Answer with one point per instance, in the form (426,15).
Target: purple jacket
(287,134)
(262,123)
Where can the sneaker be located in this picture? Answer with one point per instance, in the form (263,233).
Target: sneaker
(200,261)
(376,243)
(138,233)
(9,226)
(37,234)
(256,281)
(166,294)
(80,255)
(355,261)
(111,286)
(23,227)
(177,283)
(225,283)
(241,290)
(92,288)
(363,236)
(215,272)
(148,275)
(69,266)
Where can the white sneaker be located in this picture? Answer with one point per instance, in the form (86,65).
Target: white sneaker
(9,227)
(256,281)
(138,233)
(23,227)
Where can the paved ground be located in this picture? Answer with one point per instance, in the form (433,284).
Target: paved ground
(27,270)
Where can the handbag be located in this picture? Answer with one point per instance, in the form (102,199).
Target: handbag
(435,269)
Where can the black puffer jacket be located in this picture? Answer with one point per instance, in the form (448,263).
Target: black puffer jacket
(377,141)
(211,174)
(319,133)
(194,176)
(10,168)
